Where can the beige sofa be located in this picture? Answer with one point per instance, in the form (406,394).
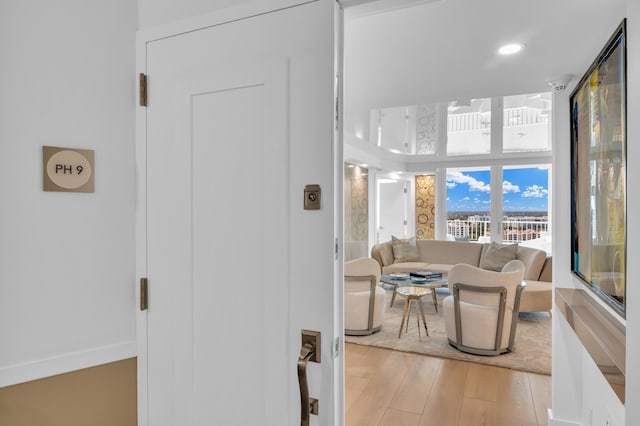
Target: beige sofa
(439,255)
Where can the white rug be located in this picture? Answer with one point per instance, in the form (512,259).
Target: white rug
(532,348)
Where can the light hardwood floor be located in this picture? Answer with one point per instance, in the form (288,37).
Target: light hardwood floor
(391,388)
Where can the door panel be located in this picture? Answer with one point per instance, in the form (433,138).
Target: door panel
(392,210)
(230,131)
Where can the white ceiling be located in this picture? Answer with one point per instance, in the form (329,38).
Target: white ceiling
(442,50)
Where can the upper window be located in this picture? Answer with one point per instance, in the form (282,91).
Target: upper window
(469,127)
(527,122)
(464,127)
(396,129)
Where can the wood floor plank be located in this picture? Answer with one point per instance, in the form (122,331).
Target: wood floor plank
(515,402)
(482,382)
(445,399)
(353,388)
(414,389)
(478,412)
(541,393)
(364,361)
(394,417)
(370,407)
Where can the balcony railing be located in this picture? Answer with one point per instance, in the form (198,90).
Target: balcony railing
(513,230)
(512,117)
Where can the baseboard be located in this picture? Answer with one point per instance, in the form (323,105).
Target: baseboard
(559,422)
(33,370)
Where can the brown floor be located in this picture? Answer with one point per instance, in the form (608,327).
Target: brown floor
(386,387)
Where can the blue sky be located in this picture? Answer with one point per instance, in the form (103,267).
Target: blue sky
(524,189)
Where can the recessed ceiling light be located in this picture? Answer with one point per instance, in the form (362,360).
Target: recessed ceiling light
(510,49)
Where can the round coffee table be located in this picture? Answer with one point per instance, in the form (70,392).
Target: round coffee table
(413,294)
(402,279)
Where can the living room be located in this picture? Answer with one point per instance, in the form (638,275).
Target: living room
(387,154)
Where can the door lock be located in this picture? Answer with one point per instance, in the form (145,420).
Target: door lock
(312,195)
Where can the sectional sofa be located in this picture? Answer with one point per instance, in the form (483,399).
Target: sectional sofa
(437,255)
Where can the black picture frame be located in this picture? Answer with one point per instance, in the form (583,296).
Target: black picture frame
(598,174)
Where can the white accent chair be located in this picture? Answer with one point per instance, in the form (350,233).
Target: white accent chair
(363,298)
(481,314)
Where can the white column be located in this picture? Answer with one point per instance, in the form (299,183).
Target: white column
(374,211)
(497,116)
(441,203)
(441,172)
(496,203)
(497,123)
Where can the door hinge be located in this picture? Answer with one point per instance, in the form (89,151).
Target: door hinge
(144,294)
(143,89)
(338,91)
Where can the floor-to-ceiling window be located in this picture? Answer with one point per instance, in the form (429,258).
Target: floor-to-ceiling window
(525,205)
(469,204)
(490,165)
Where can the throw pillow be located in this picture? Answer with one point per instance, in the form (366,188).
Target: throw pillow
(404,250)
(497,256)
(386,254)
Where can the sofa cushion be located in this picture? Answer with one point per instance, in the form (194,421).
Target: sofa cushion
(404,250)
(405,267)
(439,267)
(536,297)
(386,254)
(383,253)
(495,256)
(533,260)
(449,252)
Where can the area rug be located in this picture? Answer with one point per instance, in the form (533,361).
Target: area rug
(532,351)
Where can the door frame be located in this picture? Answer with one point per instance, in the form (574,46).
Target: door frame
(219,17)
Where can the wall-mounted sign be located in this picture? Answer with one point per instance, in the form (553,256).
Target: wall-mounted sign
(67,170)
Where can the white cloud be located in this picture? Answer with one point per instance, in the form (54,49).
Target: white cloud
(454,178)
(509,187)
(535,191)
(466,199)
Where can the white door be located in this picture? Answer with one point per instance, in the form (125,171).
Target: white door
(239,119)
(391,209)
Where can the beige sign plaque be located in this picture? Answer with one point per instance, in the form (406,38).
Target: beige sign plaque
(67,169)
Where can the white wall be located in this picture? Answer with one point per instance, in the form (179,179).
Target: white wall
(579,391)
(66,259)
(158,12)
(153,13)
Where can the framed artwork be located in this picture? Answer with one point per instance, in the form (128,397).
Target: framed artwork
(598,174)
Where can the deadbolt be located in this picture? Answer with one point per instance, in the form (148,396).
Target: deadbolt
(312,196)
